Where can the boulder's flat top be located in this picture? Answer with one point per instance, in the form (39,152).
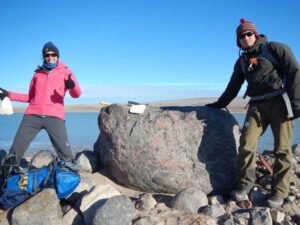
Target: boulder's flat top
(237,105)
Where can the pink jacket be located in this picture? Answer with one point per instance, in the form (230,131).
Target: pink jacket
(47,92)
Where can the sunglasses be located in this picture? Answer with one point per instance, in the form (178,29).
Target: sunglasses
(50,54)
(248,34)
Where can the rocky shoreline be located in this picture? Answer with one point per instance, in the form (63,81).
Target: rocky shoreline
(121,205)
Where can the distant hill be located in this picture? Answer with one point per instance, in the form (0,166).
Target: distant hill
(237,105)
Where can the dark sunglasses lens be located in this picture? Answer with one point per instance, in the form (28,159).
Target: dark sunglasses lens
(248,34)
(48,55)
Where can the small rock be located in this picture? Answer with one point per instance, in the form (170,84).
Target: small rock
(189,200)
(118,210)
(277,216)
(87,161)
(269,187)
(286,208)
(149,220)
(261,216)
(226,219)
(291,198)
(94,199)
(241,218)
(145,202)
(213,210)
(231,206)
(245,204)
(216,199)
(161,206)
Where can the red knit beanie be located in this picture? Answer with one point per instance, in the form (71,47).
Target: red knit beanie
(243,27)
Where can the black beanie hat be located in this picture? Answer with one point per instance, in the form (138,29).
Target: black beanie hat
(50,47)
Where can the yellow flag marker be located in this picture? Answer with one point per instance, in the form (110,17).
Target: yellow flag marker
(102,104)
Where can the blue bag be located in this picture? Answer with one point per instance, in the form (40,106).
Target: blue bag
(31,182)
(11,198)
(20,187)
(65,182)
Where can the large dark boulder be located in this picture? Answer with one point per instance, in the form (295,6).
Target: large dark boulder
(170,148)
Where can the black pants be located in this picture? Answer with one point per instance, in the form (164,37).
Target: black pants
(29,128)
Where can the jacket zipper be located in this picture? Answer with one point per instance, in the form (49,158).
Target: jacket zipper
(44,92)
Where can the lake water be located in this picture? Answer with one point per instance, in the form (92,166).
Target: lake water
(83,132)
(266,142)
(82,129)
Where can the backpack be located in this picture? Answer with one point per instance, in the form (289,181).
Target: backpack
(18,188)
(8,166)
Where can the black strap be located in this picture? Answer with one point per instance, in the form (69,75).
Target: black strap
(53,158)
(265,52)
(50,167)
(49,176)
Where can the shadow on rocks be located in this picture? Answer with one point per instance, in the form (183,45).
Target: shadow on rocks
(163,198)
(218,149)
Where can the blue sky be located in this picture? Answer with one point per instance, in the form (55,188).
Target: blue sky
(139,50)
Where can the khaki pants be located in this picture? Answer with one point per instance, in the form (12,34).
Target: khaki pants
(259,115)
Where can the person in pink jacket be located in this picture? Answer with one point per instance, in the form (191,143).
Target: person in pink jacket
(46,95)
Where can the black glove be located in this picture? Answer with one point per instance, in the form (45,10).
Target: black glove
(3,94)
(296,113)
(215,105)
(69,83)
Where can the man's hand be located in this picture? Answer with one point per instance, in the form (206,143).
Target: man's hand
(69,83)
(3,93)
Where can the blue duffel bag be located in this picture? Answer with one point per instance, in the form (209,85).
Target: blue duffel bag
(20,187)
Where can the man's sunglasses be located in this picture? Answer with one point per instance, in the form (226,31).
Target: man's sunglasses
(248,34)
(50,54)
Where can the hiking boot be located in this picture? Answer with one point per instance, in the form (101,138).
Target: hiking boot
(239,195)
(275,202)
